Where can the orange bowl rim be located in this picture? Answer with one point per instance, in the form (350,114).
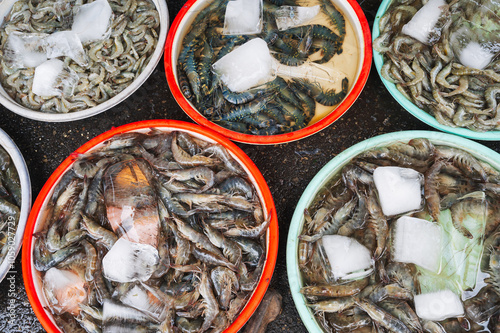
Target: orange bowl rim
(272,251)
(269,139)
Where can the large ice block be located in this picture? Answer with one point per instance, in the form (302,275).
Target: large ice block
(24,50)
(92,21)
(293,16)
(52,78)
(418,242)
(128,261)
(247,66)
(347,257)
(438,305)
(243,17)
(65,44)
(65,290)
(423,23)
(399,189)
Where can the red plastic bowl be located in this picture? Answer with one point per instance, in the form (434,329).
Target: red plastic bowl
(172,49)
(32,278)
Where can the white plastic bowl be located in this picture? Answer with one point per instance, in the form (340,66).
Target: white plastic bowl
(15,107)
(18,160)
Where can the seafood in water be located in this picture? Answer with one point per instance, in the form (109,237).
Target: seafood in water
(10,203)
(177,272)
(431,76)
(112,63)
(384,298)
(276,107)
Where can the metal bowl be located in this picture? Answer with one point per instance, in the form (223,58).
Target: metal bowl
(21,110)
(16,239)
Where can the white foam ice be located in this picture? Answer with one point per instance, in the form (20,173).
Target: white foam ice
(424,21)
(128,261)
(437,306)
(246,67)
(53,78)
(347,257)
(292,16)
(65,44)
(243,17)
(475,56)
(92,21)
(417,241)
(24,50)
(399,189)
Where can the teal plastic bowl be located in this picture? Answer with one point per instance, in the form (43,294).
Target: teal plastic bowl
(412,108)
(331,169)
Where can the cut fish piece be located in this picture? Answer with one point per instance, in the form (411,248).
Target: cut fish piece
(438,305)
(128,261)
(418,242)
(399,189)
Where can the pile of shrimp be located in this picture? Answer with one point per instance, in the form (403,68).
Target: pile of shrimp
(431,76)
(10,202)
(349,206)
(113,63)
(211,234)
(279,106)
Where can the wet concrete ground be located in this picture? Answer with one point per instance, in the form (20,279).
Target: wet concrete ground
(288,168)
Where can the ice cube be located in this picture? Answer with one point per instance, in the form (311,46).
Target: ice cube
(293,16)
(438,305)
(24,50)
(347,257)
(418,242)
(65,290)
(147,300)
(65,44)
(243,17)
(128,261)
(52,78)
(475,56)
(399,189)
(92,21)
(115,313)
(247,66)
(423,23)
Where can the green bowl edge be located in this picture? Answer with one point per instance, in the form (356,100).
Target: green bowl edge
(323,176)
(408,105)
